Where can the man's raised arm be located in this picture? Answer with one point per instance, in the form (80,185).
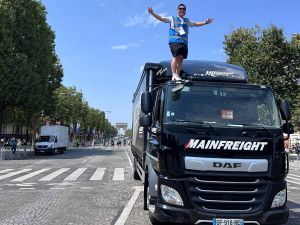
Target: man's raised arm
(156,16)
(208,21)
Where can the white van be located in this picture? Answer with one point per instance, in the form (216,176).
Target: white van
(52,139)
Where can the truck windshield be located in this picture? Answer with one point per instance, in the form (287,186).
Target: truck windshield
(223,106)
(46,139)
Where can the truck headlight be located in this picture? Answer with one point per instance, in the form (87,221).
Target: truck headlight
(170,195)
(279,199)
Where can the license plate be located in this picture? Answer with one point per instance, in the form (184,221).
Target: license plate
(228,221)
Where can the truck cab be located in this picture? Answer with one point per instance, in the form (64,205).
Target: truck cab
(210,148)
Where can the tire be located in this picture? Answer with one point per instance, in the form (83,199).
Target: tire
(135,173)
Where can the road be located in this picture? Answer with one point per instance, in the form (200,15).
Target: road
(84,186)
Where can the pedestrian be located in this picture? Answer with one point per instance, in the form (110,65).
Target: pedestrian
(13,142)
(77,142)
(178,36)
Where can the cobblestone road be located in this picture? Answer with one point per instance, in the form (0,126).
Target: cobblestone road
(85,186)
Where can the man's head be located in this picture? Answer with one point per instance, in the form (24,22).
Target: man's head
(181,10)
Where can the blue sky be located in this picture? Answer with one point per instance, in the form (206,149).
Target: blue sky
(103,44)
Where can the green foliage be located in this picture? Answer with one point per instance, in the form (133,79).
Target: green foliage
(29,68)
(128,133)
(69,105)
(71,108)
(269,58)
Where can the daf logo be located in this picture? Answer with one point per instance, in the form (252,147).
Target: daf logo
(226,165)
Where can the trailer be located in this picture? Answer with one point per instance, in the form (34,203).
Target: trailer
(210,149)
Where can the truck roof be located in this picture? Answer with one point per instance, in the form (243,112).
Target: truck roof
(201,70)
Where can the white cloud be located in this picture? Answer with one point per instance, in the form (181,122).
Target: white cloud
(144,20)
(220,51)
(127,46)
(141,68)
(101,3)
(119,47)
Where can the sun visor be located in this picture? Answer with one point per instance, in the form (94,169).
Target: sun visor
(205,70)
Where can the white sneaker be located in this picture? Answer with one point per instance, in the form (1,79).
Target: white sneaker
(175,77)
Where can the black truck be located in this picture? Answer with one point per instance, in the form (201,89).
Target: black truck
(210,149)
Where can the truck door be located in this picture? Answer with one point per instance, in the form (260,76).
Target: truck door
(155,137)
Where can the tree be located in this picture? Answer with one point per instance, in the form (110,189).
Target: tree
(128,133)
(268,57)
(70,105)
(29,68)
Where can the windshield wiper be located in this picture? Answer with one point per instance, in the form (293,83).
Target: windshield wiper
(258,125)
(206,123)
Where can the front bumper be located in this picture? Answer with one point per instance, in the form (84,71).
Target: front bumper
(165,213)
(43,150)
(263,215)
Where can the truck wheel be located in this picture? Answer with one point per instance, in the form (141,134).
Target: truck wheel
(135,173)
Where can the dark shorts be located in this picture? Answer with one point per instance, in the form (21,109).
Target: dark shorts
(179,49)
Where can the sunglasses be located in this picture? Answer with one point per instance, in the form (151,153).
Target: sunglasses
(182,9)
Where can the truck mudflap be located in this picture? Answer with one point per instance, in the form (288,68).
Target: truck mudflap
(201,209)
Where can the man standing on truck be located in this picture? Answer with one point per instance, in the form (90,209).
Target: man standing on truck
(178,36)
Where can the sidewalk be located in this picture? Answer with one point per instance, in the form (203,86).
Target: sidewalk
(294,164)
(22,152)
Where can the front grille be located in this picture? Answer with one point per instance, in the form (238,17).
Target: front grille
(42,146)
(227,195)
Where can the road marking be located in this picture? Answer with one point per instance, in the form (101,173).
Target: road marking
(118,174)
(26,188)
(27,176)
(87,159)
(87,188)
(14,173)
(130,163)
(126,211)
(293,178)
(41,161)
(98,175)
(6,170)
(294,188)
(293,175)
(75,174)
(54,174)
(293,182)
(58,188)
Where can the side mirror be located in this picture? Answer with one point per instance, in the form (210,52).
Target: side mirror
(145,121)
(146,102)
(285,110)
(288,128)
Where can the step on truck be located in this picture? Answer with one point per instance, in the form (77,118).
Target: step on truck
(210,149)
